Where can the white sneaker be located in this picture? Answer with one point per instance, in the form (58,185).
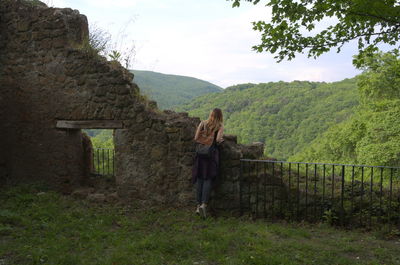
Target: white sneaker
(198,210)
(203,210)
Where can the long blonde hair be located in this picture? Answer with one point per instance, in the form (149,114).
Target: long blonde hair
(214,121)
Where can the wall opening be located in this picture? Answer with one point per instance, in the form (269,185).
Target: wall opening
(102,153)
(97,144)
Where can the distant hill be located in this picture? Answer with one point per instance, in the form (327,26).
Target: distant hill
(287,117)
(172,90)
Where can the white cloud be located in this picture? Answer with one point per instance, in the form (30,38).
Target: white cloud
(57,3)
(112,4)
(206,39)
(209,48)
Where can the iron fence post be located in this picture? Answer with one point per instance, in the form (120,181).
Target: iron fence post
(352,192)
(306,217)
(370,196)
(290,192)
(240,188)
(273,190)
(342,199)
(315,192)
(265,190)
(257,183)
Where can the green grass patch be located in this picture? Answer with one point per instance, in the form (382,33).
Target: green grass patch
(43,227)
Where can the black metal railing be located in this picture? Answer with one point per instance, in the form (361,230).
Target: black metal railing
(104,161)
(352,195)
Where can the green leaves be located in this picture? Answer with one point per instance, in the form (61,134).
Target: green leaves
(115,55)
(287,117)
(236,3)
(372,135)
(292,27)
(381,77)
(103,140)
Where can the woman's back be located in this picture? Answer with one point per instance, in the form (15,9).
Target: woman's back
(205,134)
(205,168)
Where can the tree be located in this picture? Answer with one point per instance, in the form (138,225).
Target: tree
(380,79)
(372,135)
(293,26)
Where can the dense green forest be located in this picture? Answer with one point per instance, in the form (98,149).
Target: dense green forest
(287,117)
(372,135)
(101,138)
(171,90)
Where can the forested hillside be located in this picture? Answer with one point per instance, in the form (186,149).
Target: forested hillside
(372,135)
(287,117)
(171,90)
(101,138)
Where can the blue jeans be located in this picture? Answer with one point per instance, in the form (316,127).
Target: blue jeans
(203,190)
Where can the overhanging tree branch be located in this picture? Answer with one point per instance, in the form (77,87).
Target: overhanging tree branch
(357,19)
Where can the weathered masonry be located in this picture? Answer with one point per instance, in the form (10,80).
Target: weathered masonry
(52,86)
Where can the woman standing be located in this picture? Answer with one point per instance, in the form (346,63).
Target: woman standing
(205,169)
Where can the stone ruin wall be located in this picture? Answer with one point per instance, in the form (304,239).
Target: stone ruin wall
(47,73)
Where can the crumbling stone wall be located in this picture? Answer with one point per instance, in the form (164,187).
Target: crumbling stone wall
(49,73)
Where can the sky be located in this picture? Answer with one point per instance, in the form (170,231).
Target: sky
(205,39)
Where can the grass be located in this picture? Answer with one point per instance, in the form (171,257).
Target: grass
(42,227)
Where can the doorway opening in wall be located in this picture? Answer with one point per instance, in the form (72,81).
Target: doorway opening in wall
(103,153)
(98,144)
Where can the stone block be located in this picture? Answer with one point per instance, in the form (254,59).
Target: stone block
(173,137)
(158,138)
(59,42)
(232,163)
(96,197)
(230,138)
(112,197)
(187,133)
(175,147)
(231,154)
(58,32)
(61,78)
(152,104)
(157,126)
(82,193)
(188,159)
(172,130)
(253,151)
(173,171)
(99,91)
(24,37)
(122,90)
(44,44)
(111,96)
(158,152)
(23,25)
